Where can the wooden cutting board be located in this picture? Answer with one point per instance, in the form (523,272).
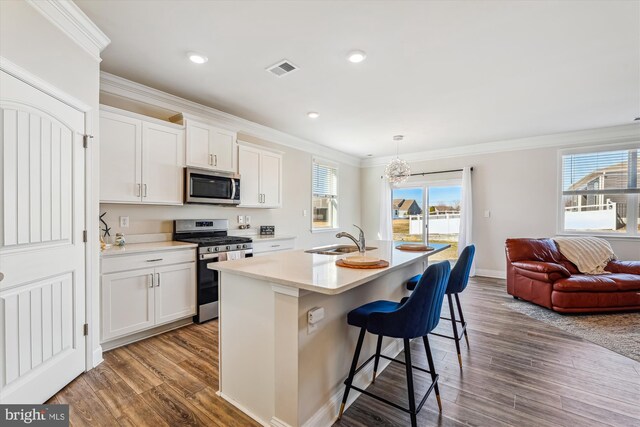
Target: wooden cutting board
(381,264)
(415,248)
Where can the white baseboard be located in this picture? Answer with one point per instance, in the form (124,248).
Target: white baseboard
(97,356)
(328,413)
(276,422)
(246,411)
(496,274)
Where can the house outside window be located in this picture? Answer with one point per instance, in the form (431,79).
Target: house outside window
(324,195)
(600,193)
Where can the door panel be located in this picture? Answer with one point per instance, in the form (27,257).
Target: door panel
(198,145)
(162,164)
(270,169)
(175,292)
(127,301)
(249,160)
(223,148)
(42,256)
(120,158)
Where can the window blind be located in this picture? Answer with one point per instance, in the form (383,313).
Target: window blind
(325,180)
(606,172)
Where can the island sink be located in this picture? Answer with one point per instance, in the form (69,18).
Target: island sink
(337,249)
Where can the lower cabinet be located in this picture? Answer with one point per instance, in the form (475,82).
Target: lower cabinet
(139,299)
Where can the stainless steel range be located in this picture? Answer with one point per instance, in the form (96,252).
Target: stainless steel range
(214,245)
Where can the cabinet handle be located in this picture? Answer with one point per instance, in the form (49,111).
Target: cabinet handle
(275,246)
(211,159)
(215,161)
(138,191)
(145,190)
(151,285)
(154,260)
(158,275)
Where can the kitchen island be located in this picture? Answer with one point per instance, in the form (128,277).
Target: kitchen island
(277,367)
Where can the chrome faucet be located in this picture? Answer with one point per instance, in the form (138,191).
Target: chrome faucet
(360,243)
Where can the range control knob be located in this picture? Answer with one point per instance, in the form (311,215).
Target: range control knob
(209,249)
(216,249)
(238,246)
(244,246)
(228,248)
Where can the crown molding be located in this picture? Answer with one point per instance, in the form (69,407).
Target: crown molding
(599,136)
(119,86)
(69,18)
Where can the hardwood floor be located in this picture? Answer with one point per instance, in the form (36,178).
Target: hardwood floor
(518,372)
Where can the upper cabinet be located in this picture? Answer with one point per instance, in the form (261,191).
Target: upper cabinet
(260,177)
(209,147)
(141,161)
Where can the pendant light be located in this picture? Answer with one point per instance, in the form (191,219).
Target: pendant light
(397,170)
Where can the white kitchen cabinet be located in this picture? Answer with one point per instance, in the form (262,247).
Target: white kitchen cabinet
(265,245)
(210,148)
(141,161)
(141,291)
(175,292)
(260,178)
(127,302)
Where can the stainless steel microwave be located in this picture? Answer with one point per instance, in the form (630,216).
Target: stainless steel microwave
(209,187)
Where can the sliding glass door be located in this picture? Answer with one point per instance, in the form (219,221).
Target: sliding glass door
(439,222)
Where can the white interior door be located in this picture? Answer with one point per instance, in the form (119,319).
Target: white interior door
(42,254)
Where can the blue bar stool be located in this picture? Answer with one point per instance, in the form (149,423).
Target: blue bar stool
(413,317)
(457,283)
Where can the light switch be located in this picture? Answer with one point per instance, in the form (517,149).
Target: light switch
(487,213)
(247,219)
(304,212)
(124,222)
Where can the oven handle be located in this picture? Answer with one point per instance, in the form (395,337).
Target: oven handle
(209,256)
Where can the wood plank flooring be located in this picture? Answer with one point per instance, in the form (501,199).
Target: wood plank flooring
(518,372)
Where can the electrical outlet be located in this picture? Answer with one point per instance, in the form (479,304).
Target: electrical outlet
(247,219)
(304,212)
(487,213)
(240,219)
(124,222)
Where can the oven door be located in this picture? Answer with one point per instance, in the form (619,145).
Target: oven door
(208,187)
(208,283)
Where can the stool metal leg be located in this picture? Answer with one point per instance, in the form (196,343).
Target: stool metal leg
(455,329)
(464,324)
(432,370)
(377,360)
(352,371)
(412,397)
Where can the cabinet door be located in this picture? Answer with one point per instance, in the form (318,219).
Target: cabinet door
(175,293)
(127,302)
(120,151)
(198,145)
(249,165)
(162,164)
(223,150)
(270,178)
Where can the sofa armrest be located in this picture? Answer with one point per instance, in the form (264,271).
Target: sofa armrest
(627,267)
(542,267)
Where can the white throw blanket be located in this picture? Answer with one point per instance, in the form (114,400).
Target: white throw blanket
(590,254)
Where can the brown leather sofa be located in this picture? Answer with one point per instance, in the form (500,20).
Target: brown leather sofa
(538,272)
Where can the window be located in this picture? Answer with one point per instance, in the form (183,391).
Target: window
(600,192)
(325,195)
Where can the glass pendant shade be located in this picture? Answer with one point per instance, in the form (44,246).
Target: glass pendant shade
(397,171)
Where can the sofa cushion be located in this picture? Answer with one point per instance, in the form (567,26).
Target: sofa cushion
(544,250)
(601,283)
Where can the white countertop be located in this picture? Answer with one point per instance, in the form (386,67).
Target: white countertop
(259,238)
(132,248)
(318,272)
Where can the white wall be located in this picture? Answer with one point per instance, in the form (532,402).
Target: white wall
(32,42)
(520,188)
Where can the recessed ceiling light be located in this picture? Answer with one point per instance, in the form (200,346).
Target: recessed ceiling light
(313,115)
(369,155)
(197,58)
(356,56)
(636,119)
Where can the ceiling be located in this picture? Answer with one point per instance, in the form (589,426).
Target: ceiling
(444,74)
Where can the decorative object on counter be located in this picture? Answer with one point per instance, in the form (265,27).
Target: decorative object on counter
(120,241)
(103,245)
(414,247)
(267,230)
(106,230)
(361,260)
(397,170)
(380,264)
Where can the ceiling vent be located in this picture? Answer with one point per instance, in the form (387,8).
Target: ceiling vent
(282,68)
